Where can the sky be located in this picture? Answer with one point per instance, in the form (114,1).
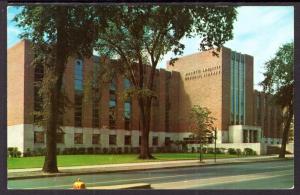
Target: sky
(258,31)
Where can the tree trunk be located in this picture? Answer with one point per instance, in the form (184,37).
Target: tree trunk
(52,124)
(285,135)
(50,163)
(145,129)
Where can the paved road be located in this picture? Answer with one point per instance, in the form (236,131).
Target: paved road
(262,175)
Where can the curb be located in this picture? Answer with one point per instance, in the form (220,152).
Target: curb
(142,169)
(122,187)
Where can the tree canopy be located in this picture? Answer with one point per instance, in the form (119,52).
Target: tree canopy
(279,81)
(202,123)
(139,36)
(56,33)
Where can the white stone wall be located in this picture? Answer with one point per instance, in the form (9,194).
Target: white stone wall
(22,136)
(15,136)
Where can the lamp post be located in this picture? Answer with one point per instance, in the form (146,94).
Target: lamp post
(215,138)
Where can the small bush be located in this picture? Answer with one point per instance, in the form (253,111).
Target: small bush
(220,150)
(18,154)
(193,149)
(12,152)
(126,150)
(119,150)
(66,151)
(210,150)
(231,151)
(81,150)
(105,150)
(204,150)
(97,150)
(39,152)
(135,150)
(90,150)
(249,152)
(112,150)
(239,152)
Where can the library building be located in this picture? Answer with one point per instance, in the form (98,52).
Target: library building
(245,118)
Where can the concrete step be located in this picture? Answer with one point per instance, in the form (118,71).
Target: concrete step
(123,186)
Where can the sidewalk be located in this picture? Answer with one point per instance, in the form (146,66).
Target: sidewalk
(94,169)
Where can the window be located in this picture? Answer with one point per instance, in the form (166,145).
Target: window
(78,75)
(155,141)
(78,110)
(127,114)
(78,138)
(245,136)
(112,105)
(112,139)
(96,139)
(237,89)
(167,141)
(255,137)
(78,86)
(39,137)
(127,139)
(60,138)
(126,84)
(95,117)
(38,78)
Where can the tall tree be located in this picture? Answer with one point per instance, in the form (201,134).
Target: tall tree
(56,33)
(139,36)
(202,125)
(279,81)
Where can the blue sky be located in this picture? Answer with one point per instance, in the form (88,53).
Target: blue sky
(259,31)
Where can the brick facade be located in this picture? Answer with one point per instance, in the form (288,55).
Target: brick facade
(198,79)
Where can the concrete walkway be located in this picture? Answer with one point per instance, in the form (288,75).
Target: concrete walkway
(95,169)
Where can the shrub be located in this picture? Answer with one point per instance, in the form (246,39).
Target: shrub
(97,150)
(210,150)
(105,150)
(231,151)
(27,153)
(135,150)
(126,150)
(90,150)
(119,150)
(81,150)
(39,152)
(239,152)
(13,152)
(220,150)
(18,154)
(112,150)
(58,152)
(193,149)
(67,151)
(249,152)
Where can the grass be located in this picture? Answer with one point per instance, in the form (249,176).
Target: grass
(101,159)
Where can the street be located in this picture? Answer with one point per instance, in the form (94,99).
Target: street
(261,175)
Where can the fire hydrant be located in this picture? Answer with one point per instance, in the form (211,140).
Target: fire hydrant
(78,184)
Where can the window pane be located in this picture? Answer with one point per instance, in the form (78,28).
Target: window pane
(39,137)
(112,139)
(78,138)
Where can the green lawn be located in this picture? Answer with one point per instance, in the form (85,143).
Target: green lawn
(100,159)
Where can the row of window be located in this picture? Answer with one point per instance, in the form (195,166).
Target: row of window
(39,137)
(78,86)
